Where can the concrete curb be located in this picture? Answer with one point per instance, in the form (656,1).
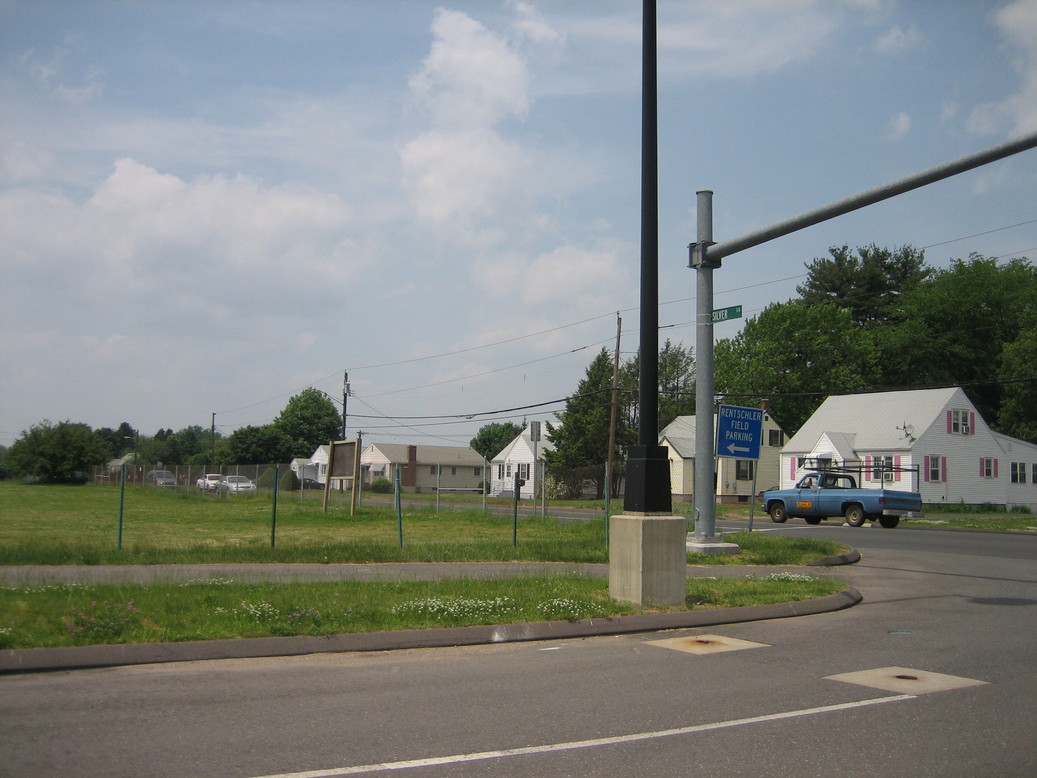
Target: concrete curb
(82,657)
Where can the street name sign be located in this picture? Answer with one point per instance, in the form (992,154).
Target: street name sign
(739,432)
(723,314)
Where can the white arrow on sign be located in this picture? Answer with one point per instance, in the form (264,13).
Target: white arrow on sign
(733,448)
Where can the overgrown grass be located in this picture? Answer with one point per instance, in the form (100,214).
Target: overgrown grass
(70,614)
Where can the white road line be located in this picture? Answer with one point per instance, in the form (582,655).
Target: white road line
(576,744)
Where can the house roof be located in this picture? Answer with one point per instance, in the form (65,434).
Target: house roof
(684,446)
(880,421)
(429,455)
(523,438)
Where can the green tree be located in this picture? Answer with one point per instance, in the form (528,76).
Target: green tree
(259,445)
(581,440)
(309,419)
(57,453)
(491,438)
(1017,415)
(868,284)
(119,441)
(795,352)
(957,325)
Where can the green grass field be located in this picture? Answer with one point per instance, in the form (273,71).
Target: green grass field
(59,525)
(55,525)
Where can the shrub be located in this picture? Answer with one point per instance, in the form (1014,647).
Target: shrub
(289,481)
(381,486)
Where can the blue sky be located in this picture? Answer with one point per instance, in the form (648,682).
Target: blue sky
(206,207)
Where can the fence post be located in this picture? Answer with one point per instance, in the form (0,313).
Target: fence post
(122,500)
(399,509)
(273,519)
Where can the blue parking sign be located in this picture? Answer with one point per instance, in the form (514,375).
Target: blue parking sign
(739,432)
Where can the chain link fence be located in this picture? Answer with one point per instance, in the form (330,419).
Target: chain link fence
(229,480)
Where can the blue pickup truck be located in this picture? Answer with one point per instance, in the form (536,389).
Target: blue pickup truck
(823,495)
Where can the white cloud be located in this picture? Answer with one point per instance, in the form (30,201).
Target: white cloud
(530,23)
(214,244)
(899,126)
(1017,113)
(471,76)
(897,40)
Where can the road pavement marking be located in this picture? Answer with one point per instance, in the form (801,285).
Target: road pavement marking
(577,744)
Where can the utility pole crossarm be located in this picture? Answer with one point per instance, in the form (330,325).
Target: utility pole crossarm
(714,253)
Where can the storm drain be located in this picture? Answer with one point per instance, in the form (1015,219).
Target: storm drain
(705,644)
(903,680)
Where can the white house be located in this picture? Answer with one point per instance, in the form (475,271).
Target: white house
(318,467)
(927,440)
(517,459)
(734,477)
(424,468)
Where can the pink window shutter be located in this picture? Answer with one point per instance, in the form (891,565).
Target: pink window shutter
(867,468)
(995,468)
(972,423)
(792,468)
(943,470)
(896,472)
(926,465)
(982,467)
(950,423)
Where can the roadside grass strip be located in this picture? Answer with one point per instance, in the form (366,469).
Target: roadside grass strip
(75,615)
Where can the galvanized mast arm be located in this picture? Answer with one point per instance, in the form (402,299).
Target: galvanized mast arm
(715,252)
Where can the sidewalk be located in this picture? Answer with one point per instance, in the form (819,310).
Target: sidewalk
(81,657)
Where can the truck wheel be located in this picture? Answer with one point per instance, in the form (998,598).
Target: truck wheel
(812,519)
(889,522)
(854,515)
(778,512)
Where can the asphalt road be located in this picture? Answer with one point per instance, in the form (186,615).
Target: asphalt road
(953,614)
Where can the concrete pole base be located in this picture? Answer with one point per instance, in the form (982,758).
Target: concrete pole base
(710,545)
(647,558)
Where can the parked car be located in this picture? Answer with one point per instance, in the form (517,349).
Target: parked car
(209,482)
(311,483)
(236,484)
(162,478)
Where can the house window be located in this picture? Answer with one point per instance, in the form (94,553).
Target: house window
(453,471)
(775,438)
(507,470)
(960,422)
(523,470)
(1018,472)
(500,471)
(477,472)
(433,470)
(744,469)
(935,468)
(880,466)
(1034,479)
(988,467)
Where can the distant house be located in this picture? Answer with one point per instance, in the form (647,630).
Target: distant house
(734,477)
(306,468)
(318,466)
(927,440)
(424,468)
(517,459)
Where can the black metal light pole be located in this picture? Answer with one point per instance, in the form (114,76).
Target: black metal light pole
(648,471)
